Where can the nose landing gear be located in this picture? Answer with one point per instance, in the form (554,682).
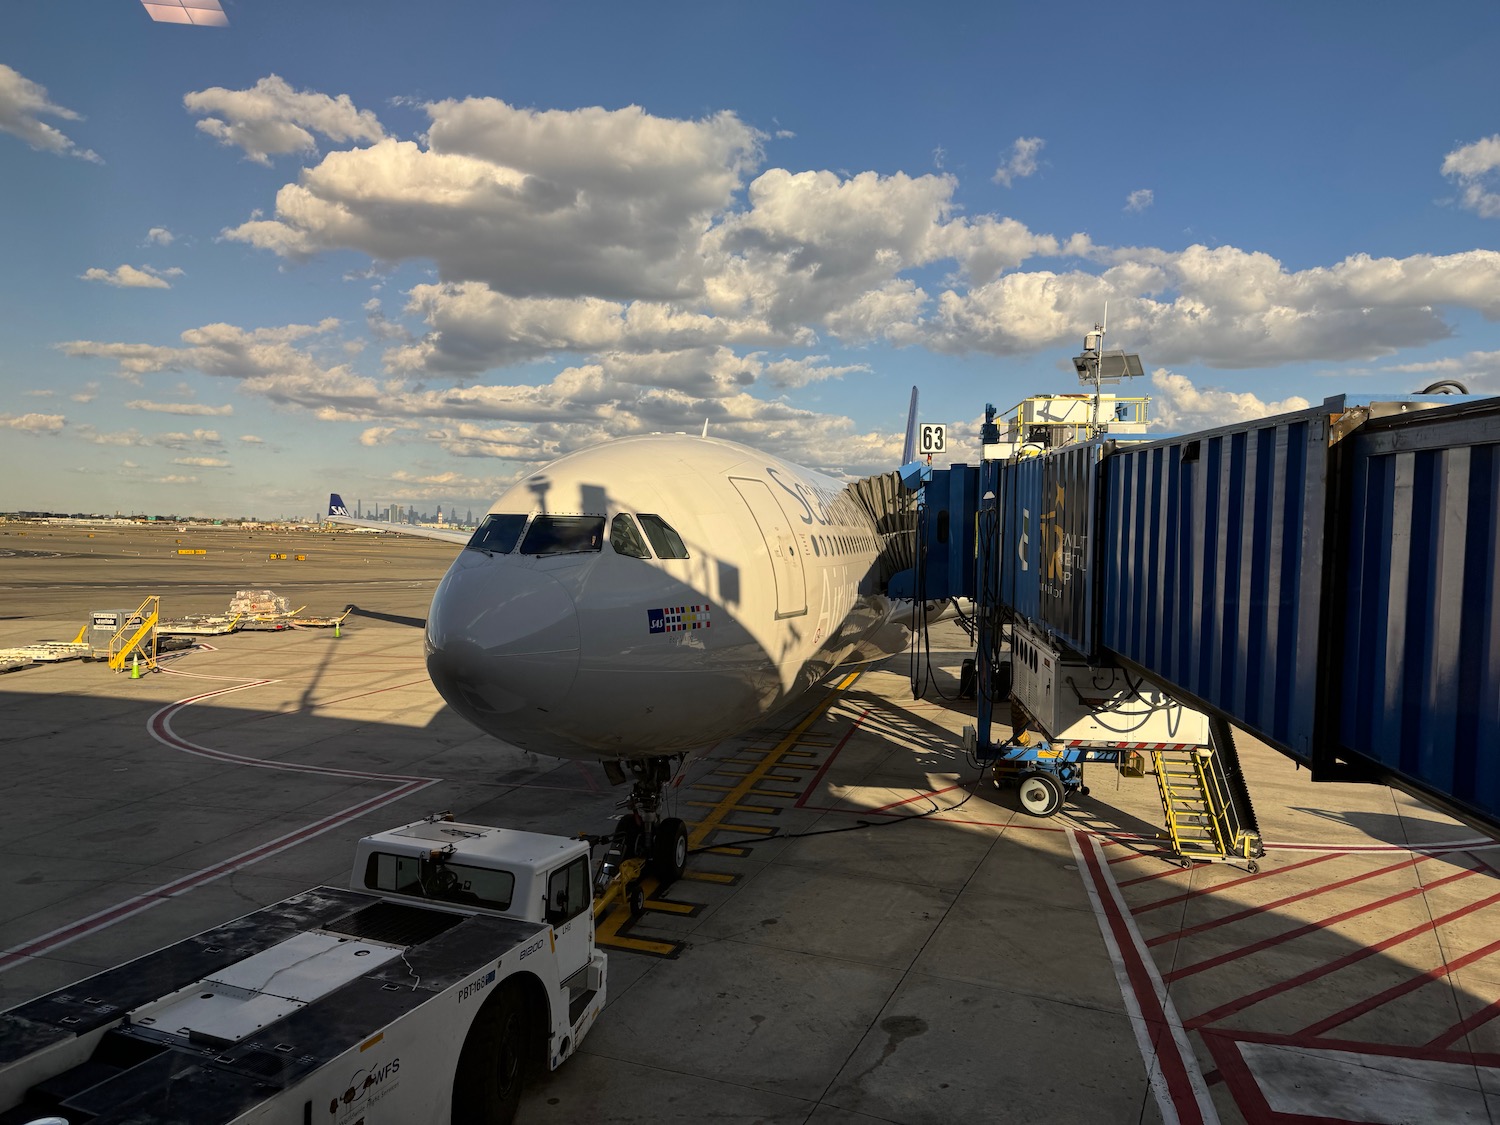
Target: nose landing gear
(644,841)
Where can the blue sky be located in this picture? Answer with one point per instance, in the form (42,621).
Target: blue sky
(410,251)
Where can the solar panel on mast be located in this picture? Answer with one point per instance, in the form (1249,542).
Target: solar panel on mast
(199,13)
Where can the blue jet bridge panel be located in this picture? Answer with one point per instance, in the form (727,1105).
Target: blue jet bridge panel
(1328,580)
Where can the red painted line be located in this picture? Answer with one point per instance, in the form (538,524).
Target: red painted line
(1173,1066)
(1333,966)
(1475,844)
(1459,1030)
(102,919)
(1437,972)
(160,727)
(1226,886)
(817,778)
(1252,911)
(918,797)
(1173,870)
(1310,927)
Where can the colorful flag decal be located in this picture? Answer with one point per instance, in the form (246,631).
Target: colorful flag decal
(678,618)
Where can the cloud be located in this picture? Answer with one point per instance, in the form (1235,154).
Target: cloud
(129,277)
(1179,405)
(1473,167)
(251,439)
(272,119)
(89,393)
(23,103)
(1224,307)
(38,393)
(1021,162)
(175,478)
(192,408)
(202,462)
(160,236)
(1139,200)
(1479,371)
(589,202)
(178,440)
(215,349)
(377,435)
(34,423)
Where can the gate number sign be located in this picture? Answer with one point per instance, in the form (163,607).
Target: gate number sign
(934,438)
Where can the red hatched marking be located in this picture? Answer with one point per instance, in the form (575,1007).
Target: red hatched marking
(1310,927)
(1437,972)
(1232,883)
(1251,911)
(1463,1027)
(1233,1006)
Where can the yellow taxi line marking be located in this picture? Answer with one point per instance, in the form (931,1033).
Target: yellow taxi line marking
(758,810)
(709,876)
(668,907)
(755,828)
(762,772)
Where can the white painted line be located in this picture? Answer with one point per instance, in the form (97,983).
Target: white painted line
(159,726)
(1176,1080)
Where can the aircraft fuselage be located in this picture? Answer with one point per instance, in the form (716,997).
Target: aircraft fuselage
(652,595)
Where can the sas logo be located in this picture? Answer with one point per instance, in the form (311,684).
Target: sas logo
(679,618)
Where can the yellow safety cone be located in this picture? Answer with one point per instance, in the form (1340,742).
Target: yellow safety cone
(135,665)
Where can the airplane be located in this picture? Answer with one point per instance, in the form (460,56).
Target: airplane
(638,600)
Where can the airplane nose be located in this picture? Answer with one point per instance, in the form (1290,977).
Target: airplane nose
(502,640)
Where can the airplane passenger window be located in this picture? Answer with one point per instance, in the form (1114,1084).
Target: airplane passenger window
(563,535)
(626,538)
(498,533)
(664,540)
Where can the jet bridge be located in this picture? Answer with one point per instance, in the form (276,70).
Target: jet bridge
(1325,580)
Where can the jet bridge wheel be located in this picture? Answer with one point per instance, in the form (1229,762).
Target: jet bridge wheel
(1041,794)
(494,1061)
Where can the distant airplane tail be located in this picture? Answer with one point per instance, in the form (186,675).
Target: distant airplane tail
(336,506)
(909,450)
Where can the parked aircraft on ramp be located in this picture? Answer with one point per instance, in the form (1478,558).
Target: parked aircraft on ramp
(638,600)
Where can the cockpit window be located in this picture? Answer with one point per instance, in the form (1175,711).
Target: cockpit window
(664,540)
(563,535)
(498,533)
(626,538)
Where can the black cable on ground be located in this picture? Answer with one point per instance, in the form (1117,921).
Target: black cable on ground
(857,826)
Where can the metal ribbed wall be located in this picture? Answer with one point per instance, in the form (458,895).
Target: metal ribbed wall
(1420,637)
(1212,557)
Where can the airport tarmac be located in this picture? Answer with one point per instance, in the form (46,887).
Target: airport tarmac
(906,947)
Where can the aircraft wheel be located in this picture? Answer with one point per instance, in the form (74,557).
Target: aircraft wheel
(669,850)
(492,1065)
(1041,794)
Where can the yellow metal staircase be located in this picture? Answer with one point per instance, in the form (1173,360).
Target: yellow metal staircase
(1202,818)
(137,637)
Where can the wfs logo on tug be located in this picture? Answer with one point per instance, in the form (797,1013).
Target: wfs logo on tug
(366,1087)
